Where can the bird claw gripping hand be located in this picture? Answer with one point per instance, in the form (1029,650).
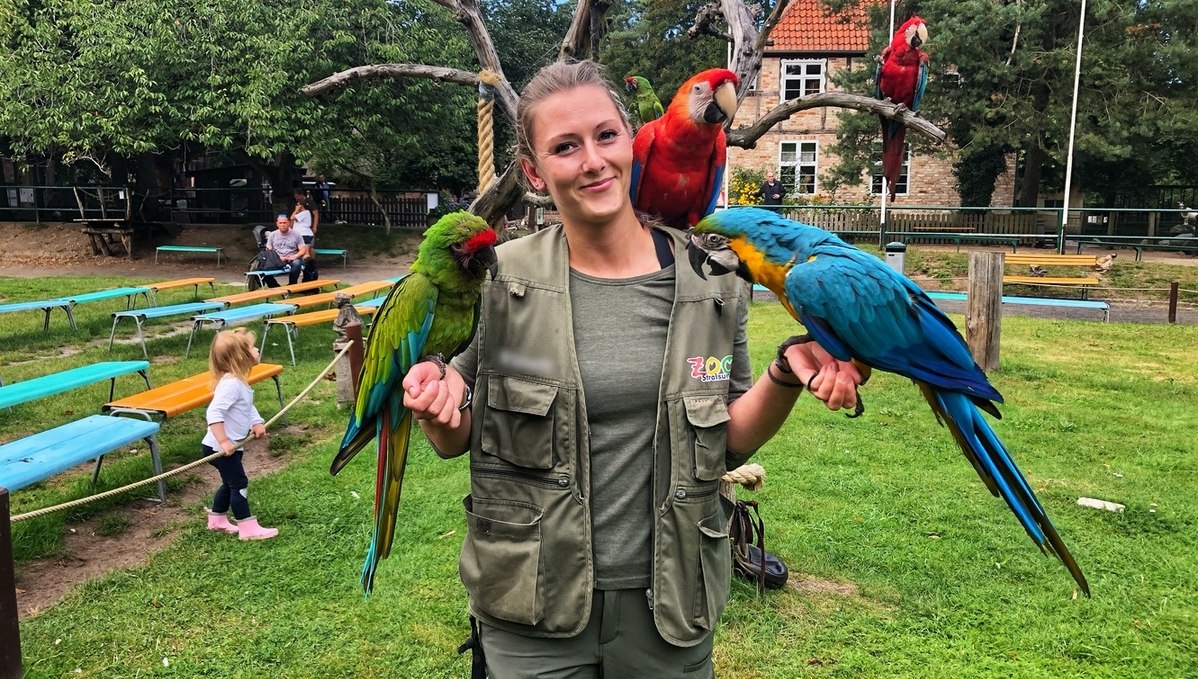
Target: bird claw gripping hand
(783,364)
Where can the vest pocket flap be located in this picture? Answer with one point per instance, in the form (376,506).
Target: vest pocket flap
(521,396)
(706,411)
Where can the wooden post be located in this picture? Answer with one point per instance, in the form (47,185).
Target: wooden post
(983,310)
(10,628)
(1173,301)
(353,333)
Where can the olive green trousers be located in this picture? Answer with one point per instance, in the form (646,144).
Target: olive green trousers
(619,642)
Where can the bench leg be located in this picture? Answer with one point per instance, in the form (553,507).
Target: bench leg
(279,390)
(70,317)
(155,257)
(290,345)
(156,462)
(96,472)
(194,325)
(112,335)
(141,337)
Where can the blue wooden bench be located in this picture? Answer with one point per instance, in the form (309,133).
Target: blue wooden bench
(41,455)
(129,293)
(189,248)
(45,305)
(220,319)
(74,378)
(47,453)
(261,275)
(141,315)
(1104,307)
(336,252)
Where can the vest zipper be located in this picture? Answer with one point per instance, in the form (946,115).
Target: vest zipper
(561,481)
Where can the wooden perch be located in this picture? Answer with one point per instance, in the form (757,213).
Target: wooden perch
(746,137)
(505,95)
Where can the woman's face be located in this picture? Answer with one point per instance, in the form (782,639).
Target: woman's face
(583,155)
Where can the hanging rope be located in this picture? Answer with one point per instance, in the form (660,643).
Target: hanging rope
(487,80)
(178,470)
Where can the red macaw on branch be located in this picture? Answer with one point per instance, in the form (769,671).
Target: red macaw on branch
(679,159)
(902,77)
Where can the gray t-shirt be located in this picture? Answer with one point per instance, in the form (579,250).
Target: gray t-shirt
(285,244)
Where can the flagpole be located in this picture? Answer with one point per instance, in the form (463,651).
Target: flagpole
(1077,72)
(882,217)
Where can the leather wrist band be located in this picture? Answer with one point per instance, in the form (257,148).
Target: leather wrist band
(789,385)
(467,399)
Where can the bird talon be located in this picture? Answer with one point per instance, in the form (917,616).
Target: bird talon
(858,409)
(782,361)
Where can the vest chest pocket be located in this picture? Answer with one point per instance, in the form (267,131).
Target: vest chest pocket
(708,417)
(518,422)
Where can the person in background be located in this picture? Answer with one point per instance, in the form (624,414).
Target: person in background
(289,246)
(305,219)
(232,417)
(772,192)
(324,197)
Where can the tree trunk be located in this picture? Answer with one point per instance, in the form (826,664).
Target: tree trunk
(1033,160)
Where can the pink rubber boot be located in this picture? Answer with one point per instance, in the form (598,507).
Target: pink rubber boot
(248,529)
(220,522)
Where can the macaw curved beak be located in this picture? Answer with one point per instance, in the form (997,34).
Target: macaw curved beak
(723,104)
(698,257)
(920,37)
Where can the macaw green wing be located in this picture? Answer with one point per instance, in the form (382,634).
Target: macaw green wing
(397,341)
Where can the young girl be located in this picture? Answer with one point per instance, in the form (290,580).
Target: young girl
(232,416)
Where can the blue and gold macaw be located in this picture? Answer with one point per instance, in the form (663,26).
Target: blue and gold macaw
(858,309)
(430,315)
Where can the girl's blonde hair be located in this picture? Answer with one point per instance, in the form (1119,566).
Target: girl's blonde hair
(557,77)
(232,352)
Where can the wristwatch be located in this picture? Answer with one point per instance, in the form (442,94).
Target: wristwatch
(467,399)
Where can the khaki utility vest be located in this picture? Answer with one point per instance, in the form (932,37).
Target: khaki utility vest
(527,557)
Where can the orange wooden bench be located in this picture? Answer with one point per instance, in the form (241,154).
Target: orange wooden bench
(329,297)
(292,324)
(186,394)
(267,293)
(182,283)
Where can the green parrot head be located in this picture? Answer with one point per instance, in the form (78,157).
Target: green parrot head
(459,247)
(636,84)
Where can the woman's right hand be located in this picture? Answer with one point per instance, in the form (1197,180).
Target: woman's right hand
(431,398)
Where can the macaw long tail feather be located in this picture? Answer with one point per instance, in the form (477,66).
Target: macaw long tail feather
(356,438)
(393,456)
(894,136)
(999,472)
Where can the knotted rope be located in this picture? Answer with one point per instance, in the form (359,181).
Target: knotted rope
(751,476)
(487,80)
(178,470)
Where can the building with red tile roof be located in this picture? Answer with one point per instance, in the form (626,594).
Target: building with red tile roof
(808,47)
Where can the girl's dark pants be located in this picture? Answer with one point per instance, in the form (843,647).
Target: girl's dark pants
(233,484)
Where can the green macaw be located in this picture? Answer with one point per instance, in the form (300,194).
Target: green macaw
(430,315)
(648,106)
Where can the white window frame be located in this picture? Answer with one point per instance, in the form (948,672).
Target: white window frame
(904,178)
(803,77)
(790,169)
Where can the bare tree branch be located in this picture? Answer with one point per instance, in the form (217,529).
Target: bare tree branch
(704,18)
(746,137)
(505,95)
(586,32)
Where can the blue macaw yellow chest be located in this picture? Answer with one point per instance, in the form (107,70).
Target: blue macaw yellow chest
(769,274)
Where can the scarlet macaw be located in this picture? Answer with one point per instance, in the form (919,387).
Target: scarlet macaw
(679,159)
(858,309)
(902,77)
(648,106)
(430,315)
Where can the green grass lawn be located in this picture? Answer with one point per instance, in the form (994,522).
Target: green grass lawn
(905,565)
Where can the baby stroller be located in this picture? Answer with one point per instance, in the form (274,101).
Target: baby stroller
(268,260)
